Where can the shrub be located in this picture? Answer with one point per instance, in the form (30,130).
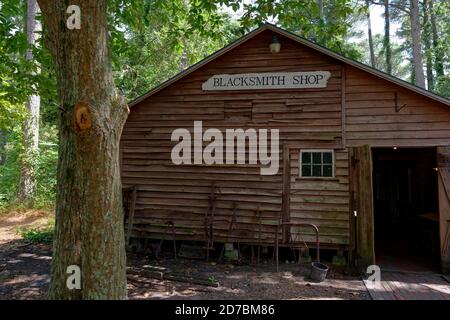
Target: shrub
(35,236)
(45,164)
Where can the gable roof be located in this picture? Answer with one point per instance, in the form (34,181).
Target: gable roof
(303,41)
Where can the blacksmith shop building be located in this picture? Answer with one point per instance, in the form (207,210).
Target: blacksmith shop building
(363,155)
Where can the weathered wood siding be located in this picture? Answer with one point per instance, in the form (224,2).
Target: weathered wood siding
(371,117)
(307,118)
(355,109)
(321,201)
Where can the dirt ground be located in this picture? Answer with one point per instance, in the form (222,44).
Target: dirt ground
(25,268)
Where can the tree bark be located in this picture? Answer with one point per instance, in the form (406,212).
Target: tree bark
(427,43)
(320,5)
(387,37)
(369,31)
(438,54)
(89,214)
(416,43)
(184,61)
(27,181)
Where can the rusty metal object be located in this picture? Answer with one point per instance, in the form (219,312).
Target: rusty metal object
(293,224)
(170,228)
(230,230)
(209,219)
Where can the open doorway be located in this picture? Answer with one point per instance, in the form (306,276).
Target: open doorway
(406,208)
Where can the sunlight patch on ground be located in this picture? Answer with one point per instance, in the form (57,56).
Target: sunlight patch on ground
(12,222)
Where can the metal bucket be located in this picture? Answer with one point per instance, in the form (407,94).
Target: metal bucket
(318,271)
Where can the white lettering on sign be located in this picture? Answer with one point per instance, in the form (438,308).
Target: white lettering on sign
(276,80)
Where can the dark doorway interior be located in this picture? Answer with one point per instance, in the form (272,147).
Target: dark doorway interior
(406,208)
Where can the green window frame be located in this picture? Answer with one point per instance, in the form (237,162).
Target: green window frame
(316,163)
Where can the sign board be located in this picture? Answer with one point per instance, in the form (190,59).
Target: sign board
(273,80)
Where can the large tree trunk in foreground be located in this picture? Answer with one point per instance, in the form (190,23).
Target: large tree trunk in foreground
(416,43)
(89,215)
(27,181)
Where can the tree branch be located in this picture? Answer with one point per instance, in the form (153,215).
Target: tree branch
(393,5)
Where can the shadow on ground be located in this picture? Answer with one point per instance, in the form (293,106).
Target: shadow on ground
(25,269)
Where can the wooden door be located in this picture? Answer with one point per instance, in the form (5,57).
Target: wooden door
(362,206)
(443,159)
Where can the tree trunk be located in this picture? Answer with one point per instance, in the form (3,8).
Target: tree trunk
(184,61)
(27,182)
(369,29)
(89,214)
(427,44)
(320,5)
(438,54)
(387,37)
(416,46)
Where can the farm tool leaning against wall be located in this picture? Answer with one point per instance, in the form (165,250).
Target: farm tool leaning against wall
(209,220)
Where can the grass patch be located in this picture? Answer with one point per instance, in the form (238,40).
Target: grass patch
(41,232)
(35,236)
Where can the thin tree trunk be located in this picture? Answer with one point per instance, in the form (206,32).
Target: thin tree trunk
(184,61)
(416,43)
(387,37)
(320,5)
(369,31)
(438,54)
(427,44)
(89,215)
(27,181)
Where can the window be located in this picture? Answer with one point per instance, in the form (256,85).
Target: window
(316,163)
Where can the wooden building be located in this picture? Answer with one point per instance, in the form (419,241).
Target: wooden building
(363,155)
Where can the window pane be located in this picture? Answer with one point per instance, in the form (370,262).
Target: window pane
(327,157)
(306,171)
(327,171)
(306,157)
(317,171)
(317,157)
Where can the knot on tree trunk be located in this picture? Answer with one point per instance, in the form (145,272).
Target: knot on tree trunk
(83,116)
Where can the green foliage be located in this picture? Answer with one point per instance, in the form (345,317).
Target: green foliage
(442,85)
(9,168)
(44,163)
(161,38)
(19,77)
(36,235)
(399,68)
(326,25)
(440,44)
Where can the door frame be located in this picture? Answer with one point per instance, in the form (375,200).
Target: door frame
(362,239)
(443,165)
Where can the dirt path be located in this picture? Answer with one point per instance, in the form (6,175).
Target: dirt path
(24,269)
(14,221)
